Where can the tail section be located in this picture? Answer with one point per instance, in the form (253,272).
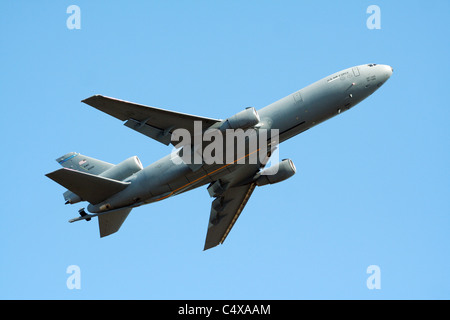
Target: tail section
(85,164)
(89,187)
(92,180)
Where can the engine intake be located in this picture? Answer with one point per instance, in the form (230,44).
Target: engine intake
(276,173)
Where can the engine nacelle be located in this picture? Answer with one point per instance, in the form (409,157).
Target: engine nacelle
(276,173)
(124,169)
(71,197)
(242,120)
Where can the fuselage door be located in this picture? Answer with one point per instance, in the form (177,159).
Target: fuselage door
(355,71)
(298,97)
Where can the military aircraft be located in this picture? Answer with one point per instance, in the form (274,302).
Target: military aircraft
(114,190)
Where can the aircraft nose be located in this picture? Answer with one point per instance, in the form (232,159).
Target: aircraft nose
(387,70)
(384,72)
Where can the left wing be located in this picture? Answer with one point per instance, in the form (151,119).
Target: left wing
(153,122)
(225,210)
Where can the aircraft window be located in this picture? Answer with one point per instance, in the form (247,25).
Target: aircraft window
(372,64)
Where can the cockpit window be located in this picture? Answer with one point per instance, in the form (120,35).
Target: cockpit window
(372,64)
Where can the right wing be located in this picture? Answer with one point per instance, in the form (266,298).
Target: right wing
(155,123)
(225,210)
(230,201)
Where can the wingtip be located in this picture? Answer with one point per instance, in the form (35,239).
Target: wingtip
(91,98)
(210,246)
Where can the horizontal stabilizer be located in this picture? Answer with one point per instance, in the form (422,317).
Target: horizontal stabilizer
(111,222)
(89,187)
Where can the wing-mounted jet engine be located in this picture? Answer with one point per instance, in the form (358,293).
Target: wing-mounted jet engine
(276,173)
(242,120)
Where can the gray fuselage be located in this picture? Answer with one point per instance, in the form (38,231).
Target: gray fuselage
(291,115)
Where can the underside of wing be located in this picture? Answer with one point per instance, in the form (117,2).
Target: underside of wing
(225,210)
(153,122)
(88,186)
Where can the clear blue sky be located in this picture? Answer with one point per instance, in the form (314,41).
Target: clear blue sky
(372,185)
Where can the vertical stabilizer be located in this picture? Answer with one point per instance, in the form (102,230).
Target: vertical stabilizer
(79,162)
